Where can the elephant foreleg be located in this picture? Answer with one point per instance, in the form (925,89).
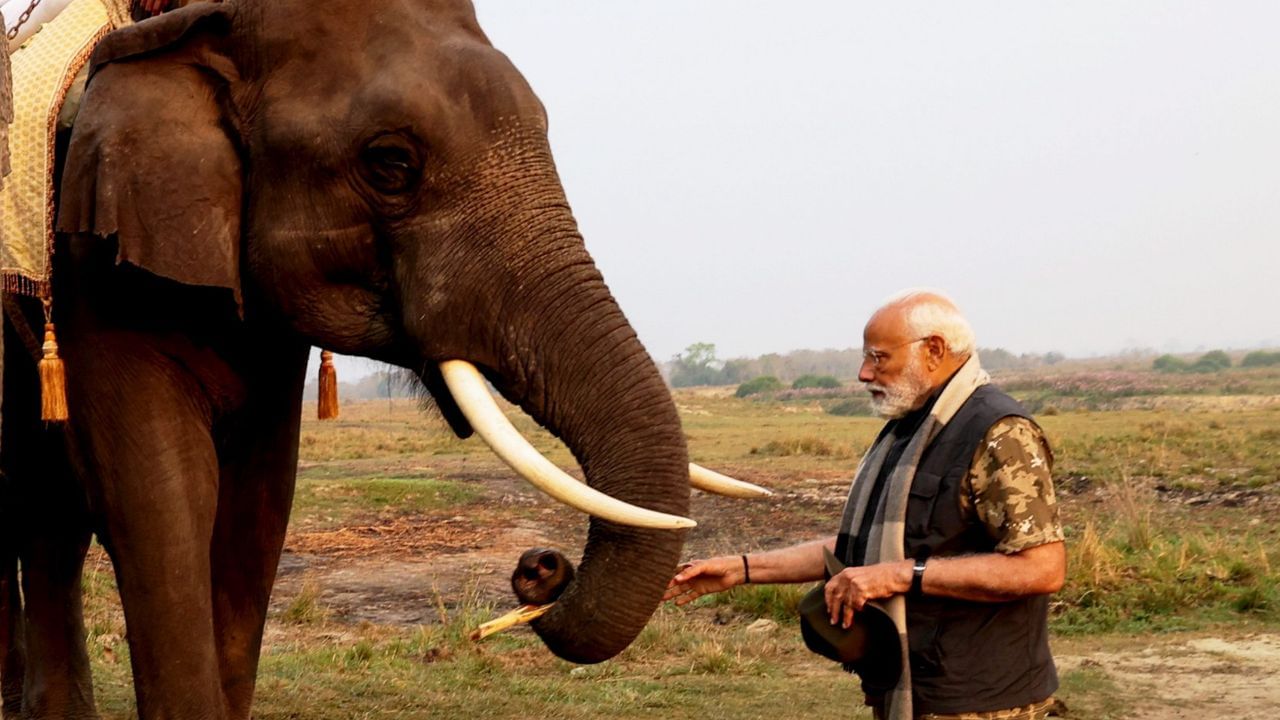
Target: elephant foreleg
(259,464)
(146,443)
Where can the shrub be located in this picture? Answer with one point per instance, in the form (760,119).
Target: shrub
(306,607)
(1210,362)
(1213,361)
(1260,358)
(825,382)
(755,386)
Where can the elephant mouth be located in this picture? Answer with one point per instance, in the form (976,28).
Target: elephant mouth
(438,395)
(461,391)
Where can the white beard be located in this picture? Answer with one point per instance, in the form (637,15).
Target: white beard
(903,396)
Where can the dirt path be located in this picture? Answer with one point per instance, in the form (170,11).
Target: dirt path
(407,587)
(399,570)
(1187,676)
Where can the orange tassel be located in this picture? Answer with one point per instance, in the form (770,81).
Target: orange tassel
(327,404)
(53,380)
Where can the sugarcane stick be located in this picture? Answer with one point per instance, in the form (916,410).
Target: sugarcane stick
(522,614)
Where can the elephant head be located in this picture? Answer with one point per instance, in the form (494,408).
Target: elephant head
(376,178)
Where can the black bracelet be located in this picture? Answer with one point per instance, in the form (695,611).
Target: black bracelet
(746,571)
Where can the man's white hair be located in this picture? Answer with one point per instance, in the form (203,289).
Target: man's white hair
(934,313)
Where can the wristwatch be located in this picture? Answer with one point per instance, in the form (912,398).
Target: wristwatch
(917,578)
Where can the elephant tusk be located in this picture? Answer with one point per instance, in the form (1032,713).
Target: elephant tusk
(472,396)
(713,482)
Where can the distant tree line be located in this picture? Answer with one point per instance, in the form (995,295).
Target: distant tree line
(698,365)
(1214,361)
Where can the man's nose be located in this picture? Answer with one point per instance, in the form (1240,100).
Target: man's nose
(867,371)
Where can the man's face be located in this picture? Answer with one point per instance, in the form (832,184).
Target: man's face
(893,398)
(893,367)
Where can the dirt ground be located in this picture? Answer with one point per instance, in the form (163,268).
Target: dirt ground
(408,569)
(1180,677)
(396,570)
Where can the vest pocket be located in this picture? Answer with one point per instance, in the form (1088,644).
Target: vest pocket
(924,491)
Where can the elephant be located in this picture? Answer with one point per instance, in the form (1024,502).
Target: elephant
(248,179)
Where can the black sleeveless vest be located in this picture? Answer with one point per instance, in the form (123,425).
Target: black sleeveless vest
(969,656)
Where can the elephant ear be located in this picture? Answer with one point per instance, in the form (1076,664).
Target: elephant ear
(152,159)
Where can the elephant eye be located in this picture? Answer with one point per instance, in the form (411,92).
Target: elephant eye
(391,164)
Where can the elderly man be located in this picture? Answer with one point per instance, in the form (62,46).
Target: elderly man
(951,527)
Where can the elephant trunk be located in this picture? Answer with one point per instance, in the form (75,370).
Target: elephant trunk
(597,389)
(539,321)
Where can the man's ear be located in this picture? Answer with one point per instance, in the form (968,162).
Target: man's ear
(935,349)
(151,159)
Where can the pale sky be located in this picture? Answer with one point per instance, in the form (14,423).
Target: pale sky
(1082,177)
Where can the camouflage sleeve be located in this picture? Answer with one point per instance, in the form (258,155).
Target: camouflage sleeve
(1011,487)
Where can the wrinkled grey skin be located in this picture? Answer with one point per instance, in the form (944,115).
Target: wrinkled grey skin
(250,178)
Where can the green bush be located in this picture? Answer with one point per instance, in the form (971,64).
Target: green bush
(1210,362)
(1260,358)
(825,382)
(1213,361)
(755,386)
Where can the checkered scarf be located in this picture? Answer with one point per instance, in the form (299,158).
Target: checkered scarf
(889,521)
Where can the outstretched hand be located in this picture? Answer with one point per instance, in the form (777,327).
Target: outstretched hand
(701,577)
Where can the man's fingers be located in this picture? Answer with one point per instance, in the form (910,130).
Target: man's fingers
(687,571)
(681,593)
(835,602)
(686,595)
(847,620)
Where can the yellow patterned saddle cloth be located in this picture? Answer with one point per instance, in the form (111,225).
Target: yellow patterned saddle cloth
(44,70)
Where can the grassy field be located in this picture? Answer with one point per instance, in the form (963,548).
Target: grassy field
(1171,538)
